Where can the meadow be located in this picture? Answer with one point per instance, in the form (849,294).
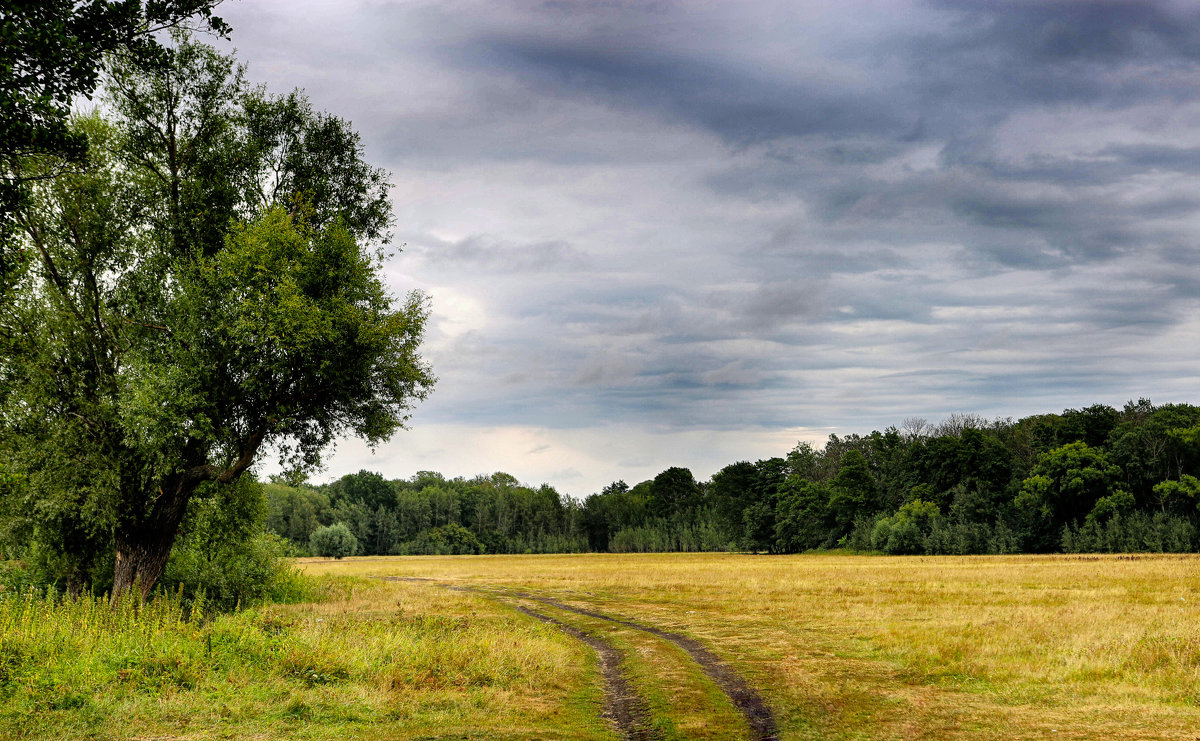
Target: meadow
(837,647)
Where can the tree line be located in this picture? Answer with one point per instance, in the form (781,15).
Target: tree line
(1091,479)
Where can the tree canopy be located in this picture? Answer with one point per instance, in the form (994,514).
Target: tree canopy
(1092,479)
(51,51)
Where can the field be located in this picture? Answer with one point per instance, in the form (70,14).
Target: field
(483,647)
(867,647)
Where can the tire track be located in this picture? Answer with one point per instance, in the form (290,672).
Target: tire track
(756,711)
(627,711)
(623,707)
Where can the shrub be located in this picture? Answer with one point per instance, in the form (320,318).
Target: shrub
(907,530)
(333,541)
(223,552)
(957,538)
(451,539)
(246,572)
(1137,532)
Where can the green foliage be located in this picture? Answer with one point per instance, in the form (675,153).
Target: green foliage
(1152,444)
(223,553)
(966,486)
(731,491)
(908,530)
(673,490)
(862,532)
(803,520)
(854,491)
(452,539)
(761,502)
(1120,502)
(52,52)
(207,286)
(294,512)
(615,508)
(678,534)
(1136,532)
(365,487)
(1181,497)
(1064,487)
(333,541)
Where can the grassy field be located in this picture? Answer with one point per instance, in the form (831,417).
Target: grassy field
(869,647)
(839,647)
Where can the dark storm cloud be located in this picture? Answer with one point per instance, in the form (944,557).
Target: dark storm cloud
(995,55)
(1091,31)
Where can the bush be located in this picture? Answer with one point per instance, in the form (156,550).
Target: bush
(333,541)
(906,531)
(860,536)
(242,573)
(223,553)
(446,540)
(957,538)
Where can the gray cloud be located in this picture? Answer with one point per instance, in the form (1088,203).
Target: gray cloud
(742,105)
(721,218)
(481,253)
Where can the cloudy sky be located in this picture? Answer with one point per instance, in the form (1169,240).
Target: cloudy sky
(662,233)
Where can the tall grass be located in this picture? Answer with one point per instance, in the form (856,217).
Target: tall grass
(58,653)
(370,655)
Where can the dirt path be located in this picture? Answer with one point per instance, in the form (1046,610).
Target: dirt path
(740,693)
(743,696)
(623,707)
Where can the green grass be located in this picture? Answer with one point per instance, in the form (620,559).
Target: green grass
(372,661)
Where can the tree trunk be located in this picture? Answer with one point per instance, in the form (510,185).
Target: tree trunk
(144,538)
(143,544)
(139,563)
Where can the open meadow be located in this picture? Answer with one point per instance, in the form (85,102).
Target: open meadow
(670,646)
(868,647)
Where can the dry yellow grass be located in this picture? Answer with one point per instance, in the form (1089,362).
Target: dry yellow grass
(867,647)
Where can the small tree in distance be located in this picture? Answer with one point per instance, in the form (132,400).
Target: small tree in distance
(333,541)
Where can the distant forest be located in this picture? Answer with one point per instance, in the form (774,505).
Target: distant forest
(1086,480)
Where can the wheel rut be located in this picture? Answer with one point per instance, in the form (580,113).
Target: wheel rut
(623,707)
(743,696)
(752,706)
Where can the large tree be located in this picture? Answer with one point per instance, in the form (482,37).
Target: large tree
(207,288)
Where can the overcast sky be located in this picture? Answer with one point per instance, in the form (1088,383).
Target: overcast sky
(690,233)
